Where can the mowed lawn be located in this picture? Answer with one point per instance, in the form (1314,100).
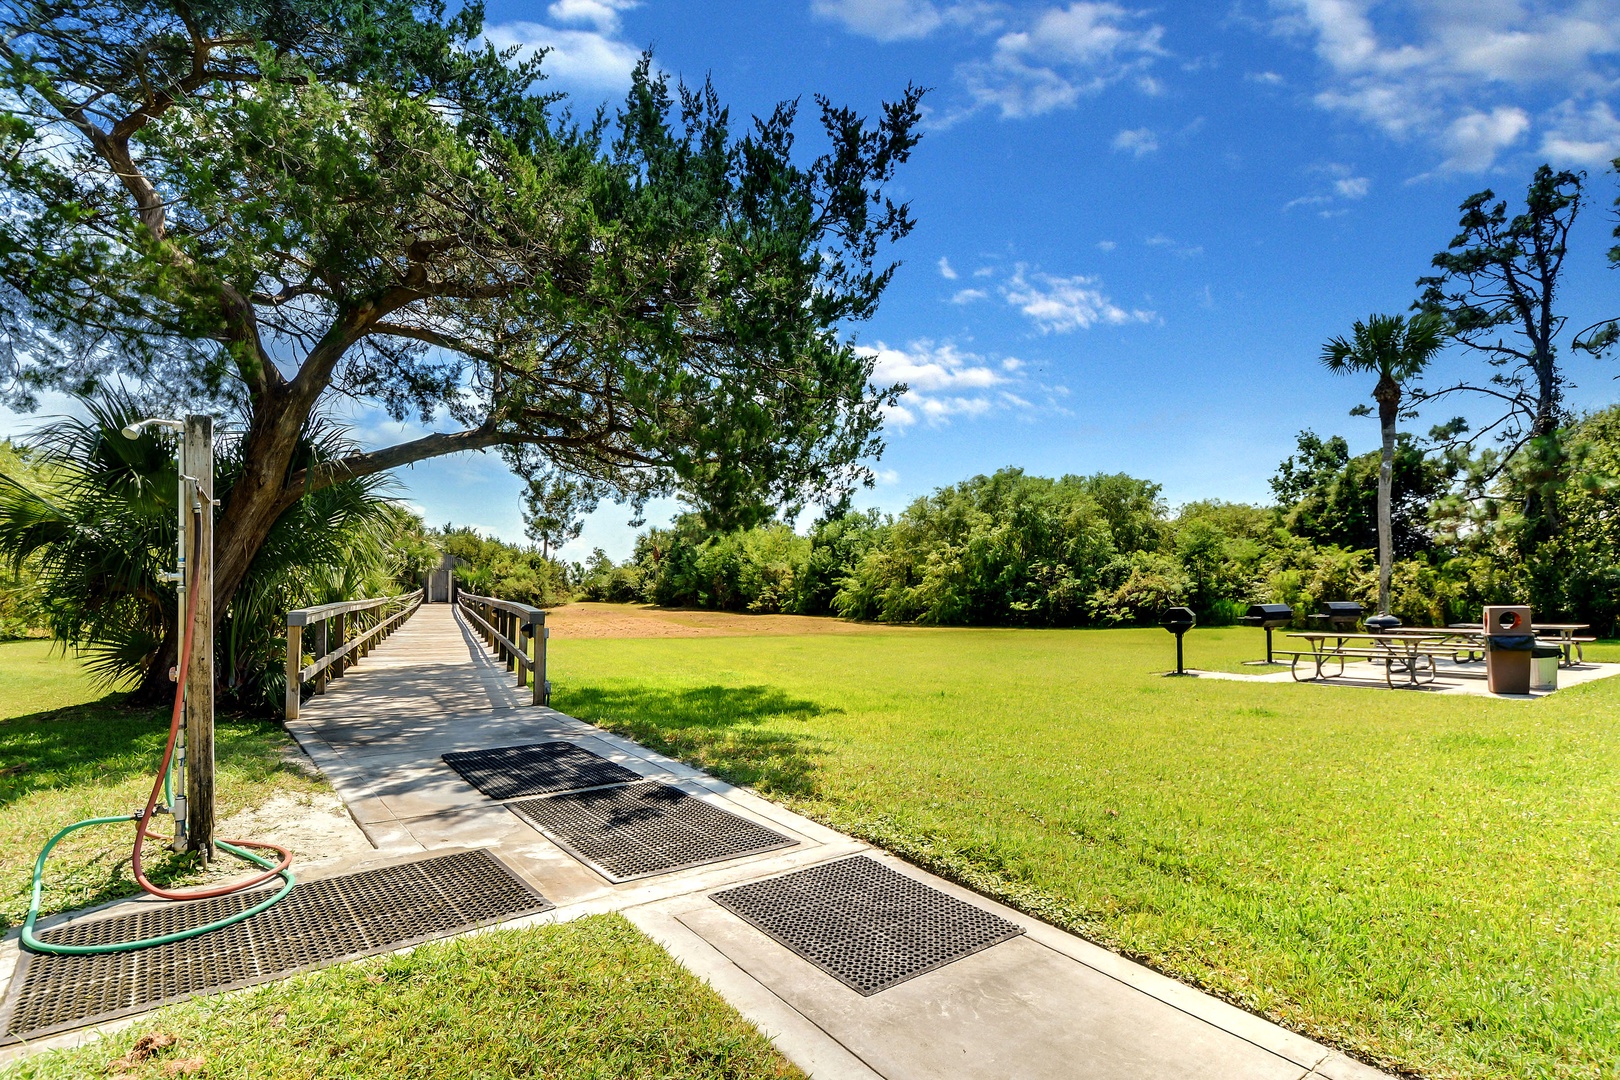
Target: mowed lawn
(1430,882)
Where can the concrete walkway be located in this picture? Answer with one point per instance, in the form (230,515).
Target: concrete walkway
(1046,1004)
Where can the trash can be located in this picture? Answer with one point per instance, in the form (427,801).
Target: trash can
(1509,645)
(1544,666)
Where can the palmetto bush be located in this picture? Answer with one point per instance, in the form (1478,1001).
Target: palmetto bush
(100,534)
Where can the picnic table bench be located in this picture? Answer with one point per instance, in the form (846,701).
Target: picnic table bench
(1411,654)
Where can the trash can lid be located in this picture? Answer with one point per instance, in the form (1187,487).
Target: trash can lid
(1542,652)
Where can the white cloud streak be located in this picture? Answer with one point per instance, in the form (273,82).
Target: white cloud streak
(1058,305)
(1461,74)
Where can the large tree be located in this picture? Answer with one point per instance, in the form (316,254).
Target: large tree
(1497,290)
(279,202)
(1397,352)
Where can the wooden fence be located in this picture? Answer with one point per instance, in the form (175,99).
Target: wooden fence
(511,631)
(338,636)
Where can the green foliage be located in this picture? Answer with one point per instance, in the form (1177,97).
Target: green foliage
(505,571)
(21,613)
(99,534)
(1330,498)
(282,203)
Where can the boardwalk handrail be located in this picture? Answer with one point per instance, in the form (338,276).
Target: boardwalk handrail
(509,629)
(334,650)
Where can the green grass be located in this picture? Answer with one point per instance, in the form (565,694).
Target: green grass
(587,999)
(1429,882)
(35,677)
(69,751)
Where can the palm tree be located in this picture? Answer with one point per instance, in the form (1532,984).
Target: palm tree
(1396,351)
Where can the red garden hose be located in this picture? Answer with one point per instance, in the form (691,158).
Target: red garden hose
(145,820)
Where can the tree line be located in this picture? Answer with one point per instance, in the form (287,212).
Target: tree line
(1012,549)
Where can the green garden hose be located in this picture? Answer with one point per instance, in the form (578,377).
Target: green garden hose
(161,787)
(34,943)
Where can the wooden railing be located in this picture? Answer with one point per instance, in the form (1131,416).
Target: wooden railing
(511,631)
(338,636)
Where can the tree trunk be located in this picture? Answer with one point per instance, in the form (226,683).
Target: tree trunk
(259,495)
(1388,395)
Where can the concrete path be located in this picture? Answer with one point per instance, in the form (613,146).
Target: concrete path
(1047,1004)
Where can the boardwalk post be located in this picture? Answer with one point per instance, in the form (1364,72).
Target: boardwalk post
(342,640)
(539,633)
(510,630)
(320,650)
(198,464)
(295,664)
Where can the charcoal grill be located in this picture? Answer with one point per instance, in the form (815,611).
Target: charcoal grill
(1268,617)
(1339,615)
(1178,620)
(1382,624)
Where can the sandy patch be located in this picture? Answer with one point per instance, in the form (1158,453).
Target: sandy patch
(592,620)
(314,826)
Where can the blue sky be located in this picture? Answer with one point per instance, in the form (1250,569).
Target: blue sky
(1136,225)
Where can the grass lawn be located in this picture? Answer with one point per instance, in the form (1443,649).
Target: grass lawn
(586,999)
(70,751)
(1427,881)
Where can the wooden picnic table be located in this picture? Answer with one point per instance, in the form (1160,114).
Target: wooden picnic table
(1410,653)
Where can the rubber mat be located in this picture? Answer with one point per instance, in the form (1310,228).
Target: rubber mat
(508,772)
(321,922)
(864,924)
(644,829)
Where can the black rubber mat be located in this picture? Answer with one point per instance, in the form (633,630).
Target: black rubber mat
(321,922)
(644,829)
(864,924)
(509,772)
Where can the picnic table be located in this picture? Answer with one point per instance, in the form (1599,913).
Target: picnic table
(1410,653)
(1565,635)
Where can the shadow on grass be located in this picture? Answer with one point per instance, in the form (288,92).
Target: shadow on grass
(99,759)
(717,728)
(104,744)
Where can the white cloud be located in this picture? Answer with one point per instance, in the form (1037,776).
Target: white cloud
(592,60)
(984,271)
(1106,245)
(1589,136)
(886,477)
(902,20)
(1139,141)
(602,15)
(1186,251)
(1065,52)
(1339,182)
(1061,304)
(968,296)
(1265,78)
(945,270)
(941,381)
(1474,139)
(1461,74)
(1353,187)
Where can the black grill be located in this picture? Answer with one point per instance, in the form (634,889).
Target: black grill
(509,772)
(864,924)
(319,923)
(644,829)
(1269,617)
(1339,614)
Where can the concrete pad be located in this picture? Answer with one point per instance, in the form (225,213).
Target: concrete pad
(1017,1009)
